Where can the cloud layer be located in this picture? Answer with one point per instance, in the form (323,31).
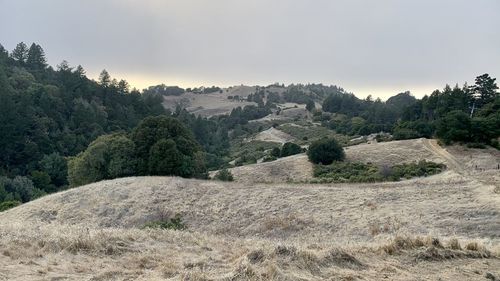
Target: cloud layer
(368,47)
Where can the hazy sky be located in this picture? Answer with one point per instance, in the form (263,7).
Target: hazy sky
(378,47)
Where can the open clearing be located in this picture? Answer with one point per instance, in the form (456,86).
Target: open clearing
(212,104)
(269,231)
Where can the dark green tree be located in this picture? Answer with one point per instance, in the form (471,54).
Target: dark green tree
(104,78)
(485,90)
(108,157)
(325,151)
(20,52)
(310,105)
(36,60)
(454,126)
(290,148)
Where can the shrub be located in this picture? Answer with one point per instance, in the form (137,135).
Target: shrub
(8,205)
(174,223)
(269,158)
(348,172)
(361,172)
(325,151)
(420,169)
(275,152)
(224,175)
(476,145)
(290,148)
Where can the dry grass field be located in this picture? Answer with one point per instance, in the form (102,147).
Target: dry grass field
(443,227)
(211,104)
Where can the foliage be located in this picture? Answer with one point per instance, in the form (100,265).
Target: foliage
(454,126)
(366,172)
(164,90)
(8,205)
(108,157)
(467,114)
(248,152)
(339,171)
(325,151)
(18,189)
(306,133)
(174,223)
(159,145)
(224,175)
(47,114)
(415,169)
(174,137)
(290,148)
(310,106)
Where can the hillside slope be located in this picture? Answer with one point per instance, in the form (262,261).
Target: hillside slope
(251,231)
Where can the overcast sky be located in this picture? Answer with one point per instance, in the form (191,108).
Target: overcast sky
(378,47)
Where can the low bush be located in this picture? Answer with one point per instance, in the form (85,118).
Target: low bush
(290,148)
(416,169)
(8,205)
(348,172)
(224,175)
(174,223)
(361,172)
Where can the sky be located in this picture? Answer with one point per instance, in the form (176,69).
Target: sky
(377,47)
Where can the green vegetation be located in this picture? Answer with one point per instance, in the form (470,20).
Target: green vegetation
(47,115)
(467,114)
(224,175)
(361,172)
(325,151)
(108,157)
(157,146)
(18,189)
(9,205)
(174,223)
(249,152)
(290,148)
(306,133)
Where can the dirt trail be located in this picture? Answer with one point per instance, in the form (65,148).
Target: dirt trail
(434,147)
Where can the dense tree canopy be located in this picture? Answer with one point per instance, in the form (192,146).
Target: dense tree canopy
(47,115)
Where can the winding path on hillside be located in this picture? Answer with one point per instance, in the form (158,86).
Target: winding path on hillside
(433,146)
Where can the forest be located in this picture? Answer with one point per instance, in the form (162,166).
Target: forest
(61,129)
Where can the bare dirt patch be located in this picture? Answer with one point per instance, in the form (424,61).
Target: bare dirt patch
(274,135)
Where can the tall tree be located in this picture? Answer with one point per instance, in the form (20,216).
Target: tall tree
(36,58)
(20,53)
(104,78)
(484,90)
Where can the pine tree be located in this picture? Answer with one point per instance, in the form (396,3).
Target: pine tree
(104,78)
(20,53)
(36,58)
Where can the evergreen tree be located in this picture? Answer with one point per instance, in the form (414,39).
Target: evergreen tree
(104,78)
(484,90)
(36,58)
(20,53)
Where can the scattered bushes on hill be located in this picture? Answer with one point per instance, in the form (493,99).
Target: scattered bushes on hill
(416,169)
(325,151)
(224,175)
(366,172)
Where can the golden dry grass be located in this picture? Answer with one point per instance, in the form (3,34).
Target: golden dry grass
(444,227)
